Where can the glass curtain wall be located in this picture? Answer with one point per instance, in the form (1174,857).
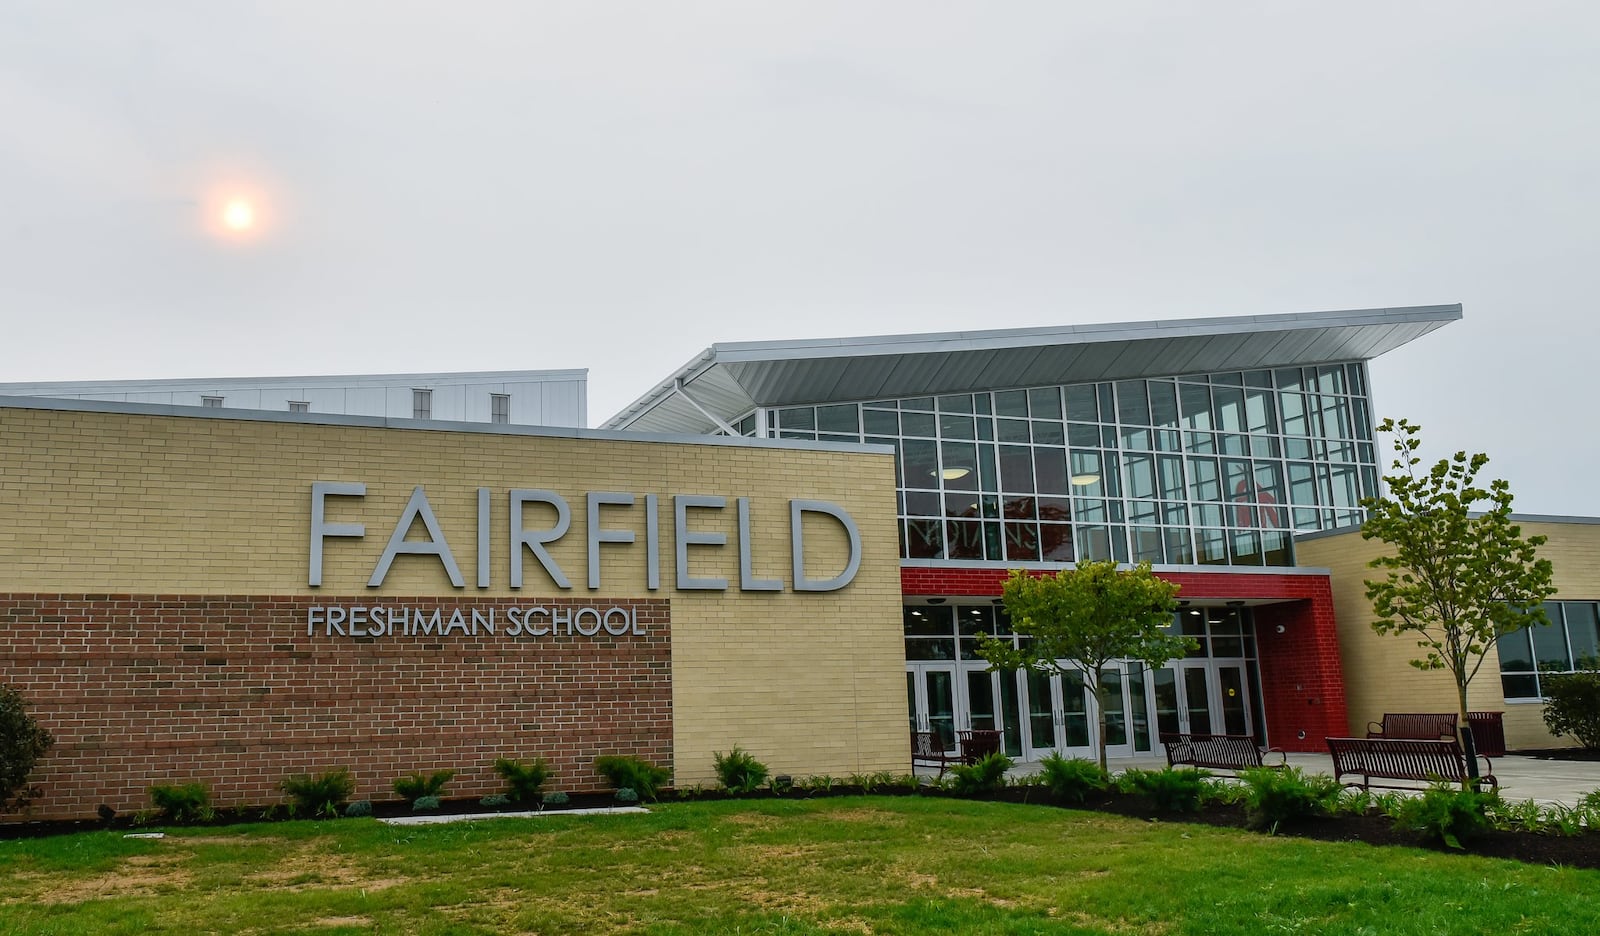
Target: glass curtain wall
(1209,469)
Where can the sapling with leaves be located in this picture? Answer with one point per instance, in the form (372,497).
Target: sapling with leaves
(1460,574)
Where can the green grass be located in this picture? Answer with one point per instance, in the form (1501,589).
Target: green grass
(867,864)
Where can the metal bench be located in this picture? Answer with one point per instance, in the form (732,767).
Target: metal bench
(977,744)
(1216,752)
(1414,759)
(927,751)
(1428,726)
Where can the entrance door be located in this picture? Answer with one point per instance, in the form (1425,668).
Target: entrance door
(931,701)
(992,706)
(1058,717)
(1201,697)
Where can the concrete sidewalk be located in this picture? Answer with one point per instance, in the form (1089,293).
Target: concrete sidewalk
(1521,778)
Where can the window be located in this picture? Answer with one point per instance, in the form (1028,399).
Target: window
(1569,643)
(422,404)
(299,406)
(211,402)
(500,408)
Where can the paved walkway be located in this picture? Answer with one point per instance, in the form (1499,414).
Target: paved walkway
(1546,781)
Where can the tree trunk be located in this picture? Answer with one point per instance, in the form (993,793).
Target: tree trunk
(1100,718)
(1469,746)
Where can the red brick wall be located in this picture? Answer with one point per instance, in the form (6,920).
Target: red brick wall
(231,691)
(1302,681)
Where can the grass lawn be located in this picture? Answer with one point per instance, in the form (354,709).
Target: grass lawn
(867,864)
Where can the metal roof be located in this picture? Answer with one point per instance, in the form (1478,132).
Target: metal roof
(729,379)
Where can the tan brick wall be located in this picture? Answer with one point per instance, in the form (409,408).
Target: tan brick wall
(1378,675)
(156,505)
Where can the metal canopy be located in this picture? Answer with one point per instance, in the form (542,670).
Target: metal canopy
(732,378)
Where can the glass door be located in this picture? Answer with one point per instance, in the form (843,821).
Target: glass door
(1233,697)
(992,706)
(931,699)
(1202,697)
(1043,724)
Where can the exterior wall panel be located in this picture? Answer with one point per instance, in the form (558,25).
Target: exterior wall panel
(1379,675)
(127,540)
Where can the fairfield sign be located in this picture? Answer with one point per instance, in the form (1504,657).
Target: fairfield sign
(552,520)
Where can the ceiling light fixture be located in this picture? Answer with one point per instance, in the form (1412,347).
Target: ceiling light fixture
(1084,480)
(955,474)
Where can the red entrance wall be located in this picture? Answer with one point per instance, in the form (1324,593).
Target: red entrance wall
(231,691)
(1302,682)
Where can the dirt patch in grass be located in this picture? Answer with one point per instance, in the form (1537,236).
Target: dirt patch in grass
(137,876)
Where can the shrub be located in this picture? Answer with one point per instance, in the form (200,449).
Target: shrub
(1273,795)
(188,802)
(495,800)
(425,804)
(319,795)
(642,777)
(1171,790)
(22,743)
(416,786)
(1072,778)
(1572,706)
(522,779)
(627,795)
(985,776)
(359,808)
(555,798)
(819,783)
(1445,812)
(739,771)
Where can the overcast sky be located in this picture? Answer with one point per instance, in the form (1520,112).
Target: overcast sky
(478,186)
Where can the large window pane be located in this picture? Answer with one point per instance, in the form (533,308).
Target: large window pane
(1228,404)
(843,418)
(1583,629)
(1050,467)
(1081,403)
(1011,403)
(1195,402)
(1133,406)
(925,539)
(1516,653)
(1163,403)
(1550,642)
(1016,469)
(1045,403)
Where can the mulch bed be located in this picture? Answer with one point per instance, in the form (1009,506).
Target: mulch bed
(1575,851)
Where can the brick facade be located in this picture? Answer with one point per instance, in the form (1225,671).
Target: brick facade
(232,691)
(1302,683)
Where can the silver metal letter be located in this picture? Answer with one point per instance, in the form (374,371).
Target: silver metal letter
(535,539)
(434,545)
(797,544)
(483,537)
(683,538)
(747,575)
(652,548)
(598,536)
(320,491)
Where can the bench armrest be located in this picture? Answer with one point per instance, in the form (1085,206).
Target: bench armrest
(1374,729)
(1283,759)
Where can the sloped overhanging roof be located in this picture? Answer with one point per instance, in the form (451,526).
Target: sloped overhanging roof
(727,380)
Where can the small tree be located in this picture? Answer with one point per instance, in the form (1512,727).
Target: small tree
(1079,620)
(1457,581)
(22,743)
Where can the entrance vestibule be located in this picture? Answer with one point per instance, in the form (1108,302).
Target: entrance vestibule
(950,688)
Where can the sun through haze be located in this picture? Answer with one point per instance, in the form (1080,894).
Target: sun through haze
(616,185)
